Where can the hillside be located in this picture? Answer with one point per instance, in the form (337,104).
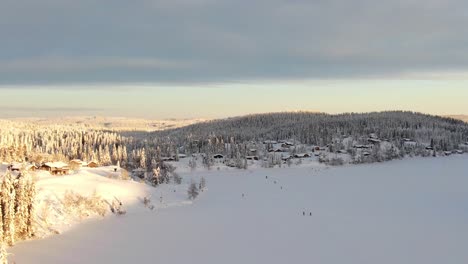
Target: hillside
(322,129)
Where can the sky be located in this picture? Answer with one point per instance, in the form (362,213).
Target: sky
(218,58)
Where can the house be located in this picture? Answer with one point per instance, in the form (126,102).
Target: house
(374,140)
(30,167)
(459,151)
(363,146)
(56,168)
(302,155)
(93,164)
(78,163)
(410,143)
(276,150)
(218,156)
(251,158)
(287,144)
(167,158)
(267,142)
(286,158)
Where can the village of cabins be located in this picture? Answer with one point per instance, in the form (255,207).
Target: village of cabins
(55,168)
(282,147)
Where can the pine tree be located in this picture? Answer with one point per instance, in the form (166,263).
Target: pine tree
(3,254)
(21,207)
(8,207)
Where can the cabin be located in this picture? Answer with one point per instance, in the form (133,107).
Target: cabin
(77,163)
(374,140)
(362,146)
(218,156)
(459,151)
(253,152)
(93,164)
(302,155)
(286,158)
(181,156)
(30,167)
(447,153)
(366,154)
(251,158)
(287,144)
(429,148)
(267,142)
(168,159)
(56,168)
(276,150)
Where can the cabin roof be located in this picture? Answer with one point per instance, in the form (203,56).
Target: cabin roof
(57,164)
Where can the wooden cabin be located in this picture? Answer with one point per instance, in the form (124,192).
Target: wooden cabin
(251,157)
(302,155)
(93,164)
(218,156)
(56,168)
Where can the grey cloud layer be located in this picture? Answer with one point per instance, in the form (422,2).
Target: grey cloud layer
(220,40)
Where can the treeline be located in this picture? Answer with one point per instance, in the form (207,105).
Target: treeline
(235,136)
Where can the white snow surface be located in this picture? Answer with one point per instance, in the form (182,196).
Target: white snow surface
(409,211)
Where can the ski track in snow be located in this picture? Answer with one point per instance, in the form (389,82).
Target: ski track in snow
(409,211)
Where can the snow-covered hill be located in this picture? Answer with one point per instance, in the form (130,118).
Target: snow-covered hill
(62,202)
(409,211)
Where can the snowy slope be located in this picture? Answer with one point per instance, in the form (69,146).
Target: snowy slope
(410,211)
(54,217)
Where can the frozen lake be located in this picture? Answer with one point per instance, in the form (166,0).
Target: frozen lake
(405,212)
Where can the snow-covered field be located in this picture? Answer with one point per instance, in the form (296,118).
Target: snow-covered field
(409,211)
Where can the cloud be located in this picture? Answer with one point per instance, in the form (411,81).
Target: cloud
(182,41)
(59,64)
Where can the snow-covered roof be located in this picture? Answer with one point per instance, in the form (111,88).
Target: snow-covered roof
(57,164)
(78,161)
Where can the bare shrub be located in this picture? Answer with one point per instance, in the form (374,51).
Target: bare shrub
(124,175)
(336,161)
(147,203)
(192,191)
(117,207)
(83,206)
